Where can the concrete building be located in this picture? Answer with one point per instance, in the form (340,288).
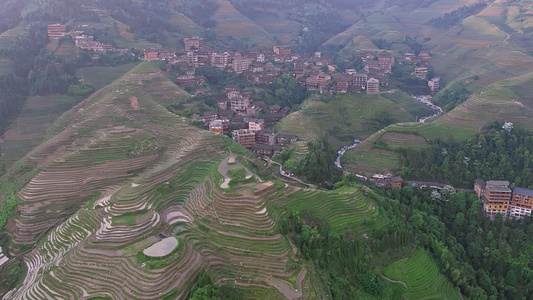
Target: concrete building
(421,72)
(372,86)
(521,203)
(241,64)
(216,126)
(192,42)
(239,104)
(496,198)
(282,50)
(266,137)
(359,80)
(434,84)
(219,60)
(244,137)
(256,124)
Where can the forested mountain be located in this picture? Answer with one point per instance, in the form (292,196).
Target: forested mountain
(119,177)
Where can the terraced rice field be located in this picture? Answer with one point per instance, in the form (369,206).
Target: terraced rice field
(366,159)
(341,119)
(8,37)
(339,209)
(422,277)
(230,22)
(167,185)
(395,139)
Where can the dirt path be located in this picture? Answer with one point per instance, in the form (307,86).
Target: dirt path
(287,289)
(134,103)
(395,281)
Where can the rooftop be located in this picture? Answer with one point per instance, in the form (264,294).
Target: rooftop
(480,182)
(498,183)
(523,191)
(502,189)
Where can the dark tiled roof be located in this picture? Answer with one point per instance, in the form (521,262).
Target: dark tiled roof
(523,191)
(480,182)
(396,179)
(498,182)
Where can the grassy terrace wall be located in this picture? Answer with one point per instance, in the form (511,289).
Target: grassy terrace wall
(422,277)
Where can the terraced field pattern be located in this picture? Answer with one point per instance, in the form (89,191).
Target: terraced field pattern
(422,277)
(122,175)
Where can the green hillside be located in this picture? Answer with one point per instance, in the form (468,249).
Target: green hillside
(342,118)
(422,277)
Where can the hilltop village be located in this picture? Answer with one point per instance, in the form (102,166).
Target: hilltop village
(248,120)
(237,113)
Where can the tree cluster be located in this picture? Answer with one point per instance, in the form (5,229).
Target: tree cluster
(452,96)
(486,260)
(284,91)
(496,154)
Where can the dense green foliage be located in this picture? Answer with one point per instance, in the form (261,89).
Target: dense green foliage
(82,89)
(451,97)
(284,91)
(456,16)
(7,208)
(401,78)
(485,259)
(12,95)
(381,43)
(337,255)
(218,78)
(496,154)
(203,289)
(378,120)
(317,166)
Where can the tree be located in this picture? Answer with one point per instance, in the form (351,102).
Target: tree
(207,292)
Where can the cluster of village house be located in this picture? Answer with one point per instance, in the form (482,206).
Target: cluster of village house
(498,198)
(82,41)
(236,115)
(237,110)
(262,66)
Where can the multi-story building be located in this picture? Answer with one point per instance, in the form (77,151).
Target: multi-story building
(192,42)
(479,188)
(266,137)
(359,80)
(192,58)
(396,182)
(378,66)
(421,72)
(216,126)
(239,104)
(256,124)
(496,198)
(311,81)
(372,86)
(282,50)
(521,203)
(244,137)
(241,64)
(219,60)
(434,84)
(386,57)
